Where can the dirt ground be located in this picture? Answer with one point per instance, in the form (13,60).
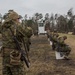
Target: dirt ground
(43,60)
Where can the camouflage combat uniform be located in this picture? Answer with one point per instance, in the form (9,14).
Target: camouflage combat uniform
(28,33)
(62,46)
(9,45)
(54,40)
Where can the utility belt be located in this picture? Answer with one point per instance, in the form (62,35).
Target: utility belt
(14,54)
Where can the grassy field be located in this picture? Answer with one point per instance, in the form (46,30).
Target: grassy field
(43,61)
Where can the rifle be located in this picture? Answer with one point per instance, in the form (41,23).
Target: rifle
(19,49)
(26,49)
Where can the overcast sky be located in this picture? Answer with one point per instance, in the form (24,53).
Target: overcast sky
(41,6)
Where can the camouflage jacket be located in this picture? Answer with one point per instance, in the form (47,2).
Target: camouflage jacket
(61,41)
(54,37)
(7,39)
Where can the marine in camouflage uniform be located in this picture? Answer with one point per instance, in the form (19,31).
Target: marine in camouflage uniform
(54,42)
(62,47)
(9,46)
(28,33)
(54,39)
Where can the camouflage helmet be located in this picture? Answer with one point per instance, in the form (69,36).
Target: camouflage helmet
(64,37)
(13,15)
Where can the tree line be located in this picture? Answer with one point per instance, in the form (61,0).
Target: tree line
(63,23)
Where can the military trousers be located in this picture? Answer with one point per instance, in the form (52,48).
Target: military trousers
(7,68)
(14,70)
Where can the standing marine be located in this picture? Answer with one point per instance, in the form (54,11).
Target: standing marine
(11,56)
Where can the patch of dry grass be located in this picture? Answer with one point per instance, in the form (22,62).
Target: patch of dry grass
(43,60)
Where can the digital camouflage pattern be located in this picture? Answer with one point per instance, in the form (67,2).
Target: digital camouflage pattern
(9,69)
(28,33)
(9,45)
(62,46)
(54,38)
(14,70)
(7,36)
